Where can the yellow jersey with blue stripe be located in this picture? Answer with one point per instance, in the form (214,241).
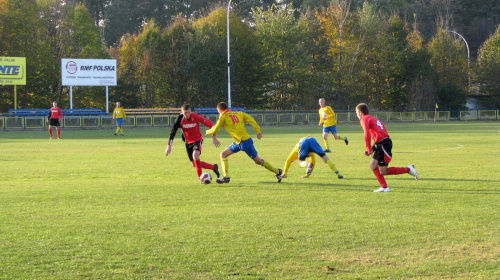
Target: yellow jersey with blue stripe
(234,123)
(327,116)
(119,113)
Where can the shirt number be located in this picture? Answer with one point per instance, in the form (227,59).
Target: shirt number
(234,118)
(380,124)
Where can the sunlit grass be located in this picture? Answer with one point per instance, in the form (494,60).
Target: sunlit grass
(96,206)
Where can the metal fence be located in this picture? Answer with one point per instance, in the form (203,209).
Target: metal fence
(262,118)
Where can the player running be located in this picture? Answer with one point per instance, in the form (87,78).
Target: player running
(307,147)
(189,124)
(329,121)
(234,123)
(54,119)
(381,151)
(119,115)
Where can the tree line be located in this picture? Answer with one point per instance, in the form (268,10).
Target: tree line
(283,56)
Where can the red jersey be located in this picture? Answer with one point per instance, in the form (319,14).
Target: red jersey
(190,128)
(374,129)
(55,113)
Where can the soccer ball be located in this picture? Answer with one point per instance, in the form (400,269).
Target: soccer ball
(206,178)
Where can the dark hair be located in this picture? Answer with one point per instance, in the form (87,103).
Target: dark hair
(222,106)
(185,107)
(363,108)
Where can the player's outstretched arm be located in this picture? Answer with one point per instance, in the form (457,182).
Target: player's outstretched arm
(251,121)
(216,127)
(215,141)
(168,149)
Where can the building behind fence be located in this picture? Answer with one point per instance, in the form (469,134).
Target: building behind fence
(262,118)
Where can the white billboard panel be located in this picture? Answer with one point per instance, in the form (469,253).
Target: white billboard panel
(88,72)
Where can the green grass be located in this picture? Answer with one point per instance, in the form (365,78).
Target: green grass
(96,206)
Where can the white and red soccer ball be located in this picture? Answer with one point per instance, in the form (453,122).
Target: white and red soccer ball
(205,178)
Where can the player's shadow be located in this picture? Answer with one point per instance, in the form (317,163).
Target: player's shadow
(338,185)
(304,185)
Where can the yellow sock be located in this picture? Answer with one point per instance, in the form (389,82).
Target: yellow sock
(117,130)
(225,166)
(332,166)
(121,130)
(269,167)
(326,144)
(341,138)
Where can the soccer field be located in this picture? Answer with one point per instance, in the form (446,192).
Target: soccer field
(96,206)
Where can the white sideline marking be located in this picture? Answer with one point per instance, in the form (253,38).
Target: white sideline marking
(457,146)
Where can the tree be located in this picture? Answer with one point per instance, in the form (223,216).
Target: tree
(285,54)
(78,37)
(148,71)
(22,35)
(174,48)
(208,61)
(121,19)
(370,31)
(422,90)
(393,67)
(345,37)
(489,68)
(248,75)
(316,81)
(127,63)
(139,64)
(449,61)
(207,57)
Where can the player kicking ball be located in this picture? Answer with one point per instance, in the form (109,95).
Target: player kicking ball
(234,123)
(307,147)
(381,151)
(189,123)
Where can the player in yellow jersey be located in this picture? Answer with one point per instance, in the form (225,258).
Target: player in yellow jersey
(234,123)
(306,148)
(119,115)
(328,120)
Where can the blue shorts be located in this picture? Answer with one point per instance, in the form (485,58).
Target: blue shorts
(332,129)
(246,146)
(307,145)
(119,121)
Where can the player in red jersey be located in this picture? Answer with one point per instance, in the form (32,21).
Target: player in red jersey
(54,118)
(189,124)
(381,151)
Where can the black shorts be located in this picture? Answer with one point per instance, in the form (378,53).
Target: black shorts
(54,122)
(383,152)
(190,148)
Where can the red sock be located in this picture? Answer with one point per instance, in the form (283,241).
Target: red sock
(50,132)
(58,132)
(397,170)
(205,165)
(380,178)
(197,165)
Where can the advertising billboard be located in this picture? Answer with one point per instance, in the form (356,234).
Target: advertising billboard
(88,72)
(12,70)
